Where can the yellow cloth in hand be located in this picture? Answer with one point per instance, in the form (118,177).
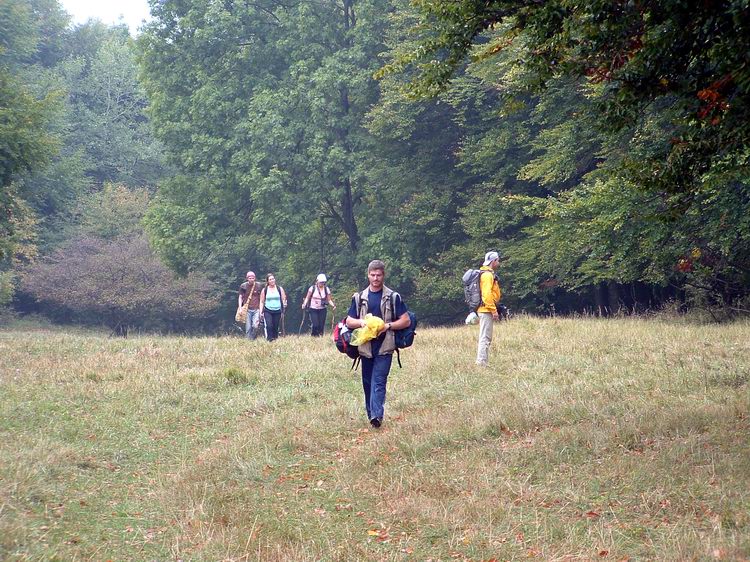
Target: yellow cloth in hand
(373,325)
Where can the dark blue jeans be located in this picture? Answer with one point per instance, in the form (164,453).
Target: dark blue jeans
(374,379)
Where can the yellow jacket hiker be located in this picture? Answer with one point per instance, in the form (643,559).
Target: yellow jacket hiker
(490,288)
(487,310)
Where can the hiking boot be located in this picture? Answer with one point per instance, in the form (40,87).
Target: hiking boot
(376,422)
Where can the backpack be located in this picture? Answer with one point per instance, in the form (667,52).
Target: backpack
(342,338)
(405,336)
(472,289)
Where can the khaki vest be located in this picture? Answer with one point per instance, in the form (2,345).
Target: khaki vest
(389,343)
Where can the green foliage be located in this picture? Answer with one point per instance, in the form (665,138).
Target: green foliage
(263,111)
(107,273)
(26,144)
(600,128)
(23,119)
(113,212)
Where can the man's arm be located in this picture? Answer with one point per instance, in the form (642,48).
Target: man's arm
(402,322)
(354,322)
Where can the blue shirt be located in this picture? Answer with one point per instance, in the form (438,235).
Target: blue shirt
(373,307)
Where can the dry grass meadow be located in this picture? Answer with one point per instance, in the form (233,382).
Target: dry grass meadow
(586,439)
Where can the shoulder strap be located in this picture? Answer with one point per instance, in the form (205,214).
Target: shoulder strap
(392,298)
(357,298)
(249,295)
(361,301)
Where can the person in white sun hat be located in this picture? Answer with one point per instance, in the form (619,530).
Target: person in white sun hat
(319,296)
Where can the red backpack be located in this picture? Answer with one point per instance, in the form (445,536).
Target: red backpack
(342,338)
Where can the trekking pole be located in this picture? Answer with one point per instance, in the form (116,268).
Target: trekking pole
(299,332)
(283,330)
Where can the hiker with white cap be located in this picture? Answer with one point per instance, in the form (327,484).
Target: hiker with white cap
(318,295)
(487,311)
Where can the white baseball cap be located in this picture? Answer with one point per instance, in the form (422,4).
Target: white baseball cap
(489,257)
(321,278)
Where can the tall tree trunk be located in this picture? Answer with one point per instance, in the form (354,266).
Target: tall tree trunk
(322,243)
(599,299)
(347,215)
(613,294)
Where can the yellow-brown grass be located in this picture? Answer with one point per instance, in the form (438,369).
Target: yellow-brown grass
(585,439)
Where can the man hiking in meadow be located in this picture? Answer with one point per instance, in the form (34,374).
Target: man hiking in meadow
(487,311)
(250,289)
(377,354)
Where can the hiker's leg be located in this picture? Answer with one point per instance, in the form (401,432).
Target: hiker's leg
(268,321)
(317,321)
(366,381)
(485,337)
(249,324)
(380,369)
(253,317)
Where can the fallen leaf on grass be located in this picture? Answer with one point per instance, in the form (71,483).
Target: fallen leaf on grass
(603,553)
(593,514)
(381,534)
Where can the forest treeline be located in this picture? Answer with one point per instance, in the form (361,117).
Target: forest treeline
(601,146)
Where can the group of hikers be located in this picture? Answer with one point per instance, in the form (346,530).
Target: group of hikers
(377,300)
(270,301)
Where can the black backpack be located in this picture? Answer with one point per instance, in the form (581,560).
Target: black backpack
(405,336)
